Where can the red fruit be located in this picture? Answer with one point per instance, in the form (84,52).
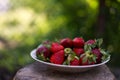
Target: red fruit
(58,57)
(43,50)
(90,42)
(66,42)
(78,51)
(78,42)
(75,62)
(55,47)
(98,54)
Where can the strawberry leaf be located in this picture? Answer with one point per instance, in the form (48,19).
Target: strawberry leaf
(66,62)
(103,52)
(69,58)
(84,58)
(72,57)
(99,42)
(94,45)
(76,57)
(90,59)
(94,59)
(105,56)
(41,57)
(87,47)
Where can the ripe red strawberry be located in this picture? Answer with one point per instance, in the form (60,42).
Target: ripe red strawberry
(78,42)
(55,47)
(78,51)
(58,57)
(90,42)
(43,52)
(98,54)
(75,62)
(66,42)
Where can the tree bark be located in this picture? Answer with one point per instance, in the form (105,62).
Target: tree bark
(101,19)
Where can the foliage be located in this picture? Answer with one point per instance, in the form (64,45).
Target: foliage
(112,32)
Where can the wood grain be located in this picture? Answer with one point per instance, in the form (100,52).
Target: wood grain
(37,71)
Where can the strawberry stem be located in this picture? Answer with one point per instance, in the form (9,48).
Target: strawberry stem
(91,57)
(68,50)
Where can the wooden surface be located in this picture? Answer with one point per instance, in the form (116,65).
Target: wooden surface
(36,71)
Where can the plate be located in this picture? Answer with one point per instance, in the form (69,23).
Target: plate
(66,68)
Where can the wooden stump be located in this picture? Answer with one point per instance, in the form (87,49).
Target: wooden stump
(37,71)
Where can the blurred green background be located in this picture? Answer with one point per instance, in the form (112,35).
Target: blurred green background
(24,24)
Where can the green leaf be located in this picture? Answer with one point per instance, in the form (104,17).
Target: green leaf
(87,47)
(92,59)
(99,42)
(93,45)
(66,62)
(41,57)
(69,58)
(72,57)
(105,56)
(77,57)
(104,52)
(84,58)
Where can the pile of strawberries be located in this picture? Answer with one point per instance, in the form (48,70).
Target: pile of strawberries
(75,52)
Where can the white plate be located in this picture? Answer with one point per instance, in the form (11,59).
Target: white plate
(66,68)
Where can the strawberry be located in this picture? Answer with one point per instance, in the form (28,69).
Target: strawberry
(78,42)
(58,57)
(98,54)
(66,42)
(75,62)
(43,52)
(90,42)
(93,43)
(78,51)
(55,47)
(87,58)
(71,58)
